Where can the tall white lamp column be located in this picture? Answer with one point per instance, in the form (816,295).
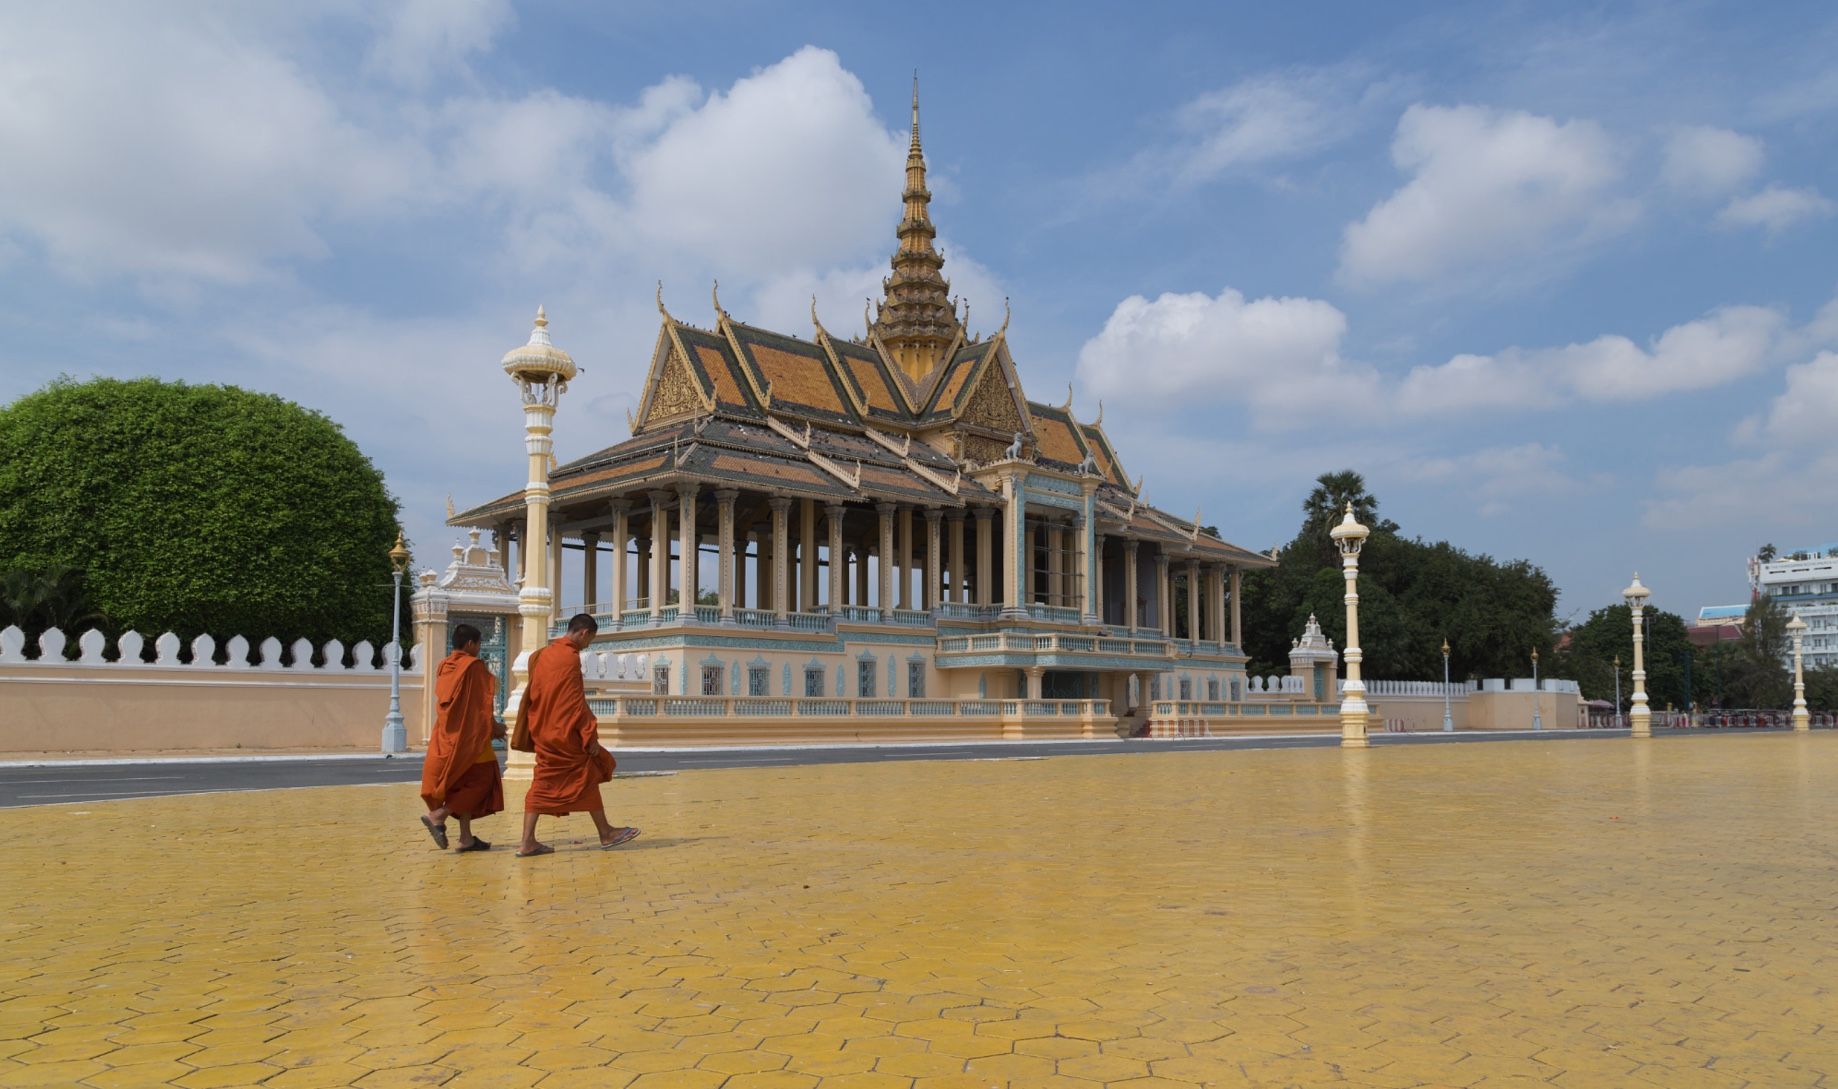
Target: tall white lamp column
(395,731)
(1641,717)
(1801,720)
(542,373)
(1349,536)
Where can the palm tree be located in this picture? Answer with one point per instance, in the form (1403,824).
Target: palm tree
(1327,504)
(52,597)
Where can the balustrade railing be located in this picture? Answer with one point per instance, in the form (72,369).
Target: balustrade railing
(706,707)
(1019,642)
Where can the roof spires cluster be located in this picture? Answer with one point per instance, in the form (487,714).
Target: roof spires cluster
(917,319)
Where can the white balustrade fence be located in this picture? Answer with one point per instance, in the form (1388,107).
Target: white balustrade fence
(130,650)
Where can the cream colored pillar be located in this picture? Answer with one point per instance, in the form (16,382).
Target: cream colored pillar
(886,511)
(905,591)
(861,574)
(1164,594)
(689,562)
(1237,611)
(933,546)
(807,556)
(740,567)
(1056,565)
(1193,600)
(622,538)
(781,550)
(1802,719)
(555,572)
(985,553)
(1015,560)
(590,571)
(1130,618)
(502,535)
(1349,537)
(1035,674)
(1086,593)
(766,565)
(833,514)
(660,553)
(724,551)
(542,373)
(956,585)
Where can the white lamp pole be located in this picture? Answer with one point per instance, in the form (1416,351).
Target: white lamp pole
(395,732)
(1349,536)
(1801,720)
(1636,597)
(1448,717)
(542,373)
(1617,691)
(1537,696)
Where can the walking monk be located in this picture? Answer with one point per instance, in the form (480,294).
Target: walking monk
(459,775)
(570,761)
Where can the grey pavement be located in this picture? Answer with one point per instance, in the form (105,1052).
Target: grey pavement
(54,783)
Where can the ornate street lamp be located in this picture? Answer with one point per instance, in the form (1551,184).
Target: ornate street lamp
(542,373)
(1636,597)
(1801,720)
(1537,697)
(1617,691)
(395,733)
(1349,536)
(1448,717)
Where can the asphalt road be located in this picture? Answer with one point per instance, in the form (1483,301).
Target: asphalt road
(100,781)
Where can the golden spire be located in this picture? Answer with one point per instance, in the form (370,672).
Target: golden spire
(917,321)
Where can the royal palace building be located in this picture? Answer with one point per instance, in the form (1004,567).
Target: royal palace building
(870,536)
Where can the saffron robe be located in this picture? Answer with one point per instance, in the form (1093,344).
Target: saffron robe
(460,769)
(569,765)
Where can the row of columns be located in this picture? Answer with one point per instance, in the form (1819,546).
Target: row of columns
(791,580)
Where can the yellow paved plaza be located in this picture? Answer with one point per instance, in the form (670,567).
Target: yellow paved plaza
(1582,914)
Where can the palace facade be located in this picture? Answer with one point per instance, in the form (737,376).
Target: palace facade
(876,535)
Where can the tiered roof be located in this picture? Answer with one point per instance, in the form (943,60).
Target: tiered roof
(856,420)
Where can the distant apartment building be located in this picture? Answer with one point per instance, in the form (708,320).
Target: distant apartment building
(1805,583)
(1716,624)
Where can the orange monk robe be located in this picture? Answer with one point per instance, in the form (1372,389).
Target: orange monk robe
(567,777)
(460,769)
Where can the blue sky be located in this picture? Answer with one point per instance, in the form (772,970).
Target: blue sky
(1557,280)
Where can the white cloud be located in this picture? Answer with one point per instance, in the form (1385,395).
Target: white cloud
(1499,478)
(1806,412)
(1710,351)
(1775,208)
(790,167)
(1774,490)
(1281,356)
(1486,187)
(1259,120)
(423,38)
(137,142)
(1705,161)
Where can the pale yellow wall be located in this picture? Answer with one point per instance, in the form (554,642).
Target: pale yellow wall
(129,708)
(1477,711)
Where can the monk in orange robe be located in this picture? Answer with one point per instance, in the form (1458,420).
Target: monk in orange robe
(459,774)
(570,761)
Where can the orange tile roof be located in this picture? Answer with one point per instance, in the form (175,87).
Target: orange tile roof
(798,379)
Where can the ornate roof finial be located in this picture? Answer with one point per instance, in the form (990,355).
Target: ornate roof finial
(1005,314)
(451,513)
(660,302)
(816,322)
(1067,407)
(542,318)
(714,294)
(1099,422)
(914,148)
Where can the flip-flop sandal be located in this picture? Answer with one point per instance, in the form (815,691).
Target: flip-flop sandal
(475,845)
(545,849)
(438,831)
(623,835)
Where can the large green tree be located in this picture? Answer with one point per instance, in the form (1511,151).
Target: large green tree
(1589,654)
(1412,595)
(1750,671)
(196,509)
